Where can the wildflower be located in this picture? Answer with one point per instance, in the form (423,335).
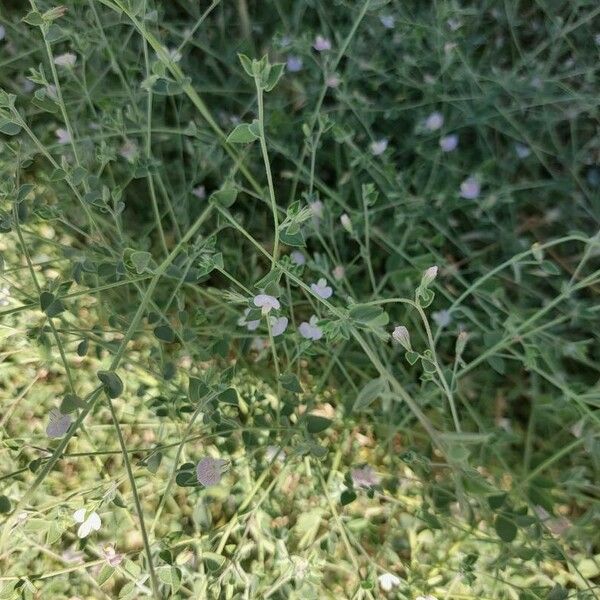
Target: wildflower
(310,330)
(338,272)
(429,276)
(266,303)
(58,424)
(298,258)
(442,318)
(470,188)
(68,59)
(274,453)
(387,21)
(316,208)
(63,136)
(522,151)
(449,143)
(2,32)
(199,191)
(346,222)
(210,470)
(401,335)
(294,64)
(364,477)
(250,325)
(112,557)
(92,523)
(128,150)
(4,296)
(322,44)
(278,325)
(332,81)
(387,581)
(434,121)
(322,289)
(454,24)
(379,147)
(174,55)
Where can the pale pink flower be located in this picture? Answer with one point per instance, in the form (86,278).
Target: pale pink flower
(470,188)
(449,143)
(434,121)
(322,44)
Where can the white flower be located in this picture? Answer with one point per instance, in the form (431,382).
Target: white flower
(68,59)
(470,188)
(266,303)
(434,121)
(449,143)
(387,21)
(128,150)
(346,222)
(298,258)
(454,24)
(429,276)
(174,55)
(522,151)
(338,272)
(316,208)
(112,557)
(58,424)
(294,64)
(332,81)
(92,523)
(401,335)
(442,318)
(210,470)
(310,330)
(278,325)
(274,453)
(387,581)
(250,325)
(199,191)
(64,137)
(322,44)
(364,477)
(4,296)
(379,147)
(322,289)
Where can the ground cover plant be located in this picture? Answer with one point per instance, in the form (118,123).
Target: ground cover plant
(299,299)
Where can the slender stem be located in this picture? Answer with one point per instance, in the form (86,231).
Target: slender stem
(265,154)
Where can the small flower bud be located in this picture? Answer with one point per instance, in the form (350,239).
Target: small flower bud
(429,276)
(346,222)
(401,335)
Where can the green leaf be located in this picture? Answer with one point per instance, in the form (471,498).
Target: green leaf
(291,383)
(246,64)
(505,528)
(9,127)
(213,561)
(165,334)
(34,18)
(316,424)
(242,134)
(50,305)
(347,497)
(106,572)
(274,76)
(113,386)
(411,357)
(4,505)
(370,392)
(226,196)
(70,403)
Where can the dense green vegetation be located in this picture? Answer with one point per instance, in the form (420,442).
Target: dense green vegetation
(299,299)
